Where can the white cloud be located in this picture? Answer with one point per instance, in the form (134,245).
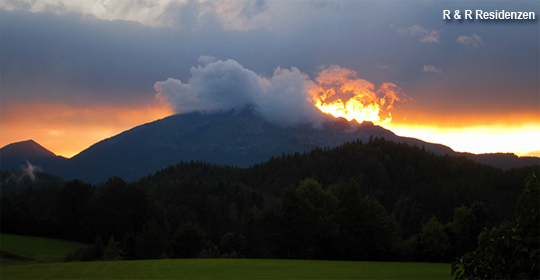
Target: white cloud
(216,86)
(286,98)
(423,34)
(224,85)
(432,69)
(473,40)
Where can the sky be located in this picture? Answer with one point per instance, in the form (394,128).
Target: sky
(73,73)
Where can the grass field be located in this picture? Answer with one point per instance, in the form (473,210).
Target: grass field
(41,258)
(37,249)
(227,269)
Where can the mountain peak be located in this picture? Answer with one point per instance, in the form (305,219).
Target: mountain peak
(26,149)
(17,155)
(237,137)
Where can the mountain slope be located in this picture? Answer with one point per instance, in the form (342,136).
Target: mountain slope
(17,155)
(234,138)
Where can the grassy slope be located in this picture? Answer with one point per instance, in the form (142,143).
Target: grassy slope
(37,249)
(228,269)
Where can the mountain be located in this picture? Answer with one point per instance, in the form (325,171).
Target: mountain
(238,138)
(26,149)
(19,155)
(503,160)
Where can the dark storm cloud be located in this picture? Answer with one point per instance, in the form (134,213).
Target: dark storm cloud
(73,58)
(78,59)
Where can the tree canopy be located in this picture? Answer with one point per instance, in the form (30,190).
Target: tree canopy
(377,200)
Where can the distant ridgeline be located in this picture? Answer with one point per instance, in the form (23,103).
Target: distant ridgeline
(236,138)
(363,200)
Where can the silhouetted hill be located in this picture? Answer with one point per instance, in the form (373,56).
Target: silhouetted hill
(26,149)
(18,155)
(503,160)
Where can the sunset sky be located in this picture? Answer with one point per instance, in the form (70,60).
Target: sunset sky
(75,72)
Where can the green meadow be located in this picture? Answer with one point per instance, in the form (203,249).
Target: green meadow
(37,249)
(42,258)
(227,269)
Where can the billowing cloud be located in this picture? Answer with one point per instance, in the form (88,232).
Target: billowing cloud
(219,85)
(432,69)
(423,34)
(473,40)
(289,97)
(215,86)
(286,100)
(341,93)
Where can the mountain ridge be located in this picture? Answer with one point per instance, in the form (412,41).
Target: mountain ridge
(238,138)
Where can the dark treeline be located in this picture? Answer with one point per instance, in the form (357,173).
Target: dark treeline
(378,200)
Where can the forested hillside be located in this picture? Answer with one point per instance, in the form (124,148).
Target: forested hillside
(373,200)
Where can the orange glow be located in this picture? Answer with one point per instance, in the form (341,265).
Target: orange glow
(352,109)
(66,130)
(341,94)
(522,140)
(483,132)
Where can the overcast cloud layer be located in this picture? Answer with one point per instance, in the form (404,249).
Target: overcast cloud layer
(71,54)
(92,53)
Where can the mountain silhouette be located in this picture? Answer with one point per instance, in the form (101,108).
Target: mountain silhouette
(25,149)
(238,138)
(16,155)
